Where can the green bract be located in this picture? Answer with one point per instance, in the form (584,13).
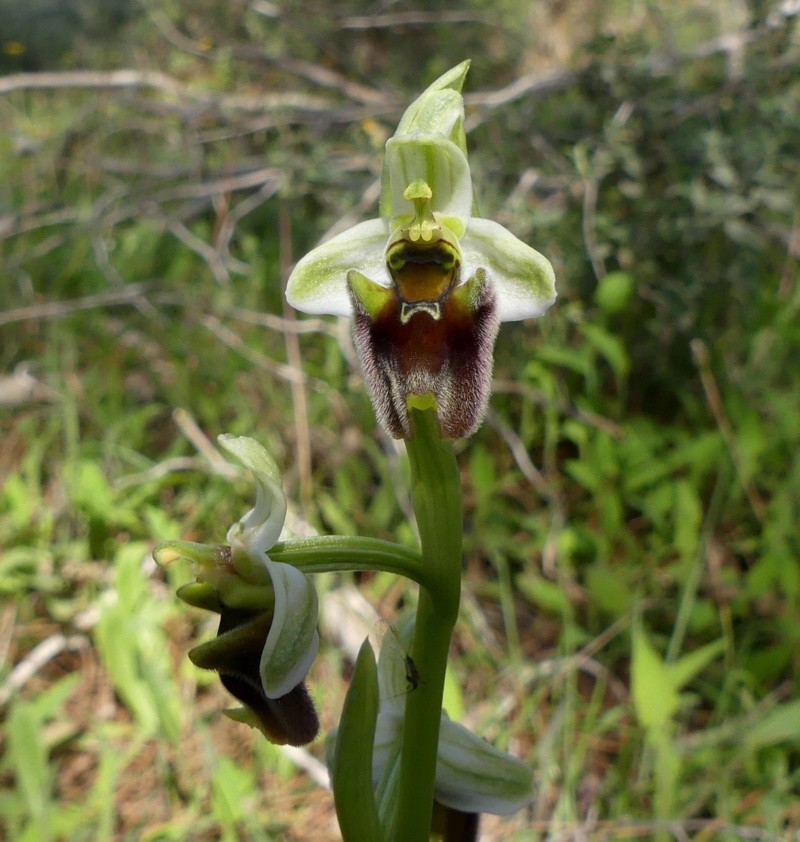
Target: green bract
(267,636)
(427,282)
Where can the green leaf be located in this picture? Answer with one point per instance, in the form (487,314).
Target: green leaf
(28,757)
(655,698)
(656,685)
(608,590)
(778,725)
(684,670)
(547,595)
(231,785)
(688,518)
(351,769)
(609,347)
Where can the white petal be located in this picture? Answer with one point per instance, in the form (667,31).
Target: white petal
(388,736)
(441,165)
(261,527)
(475,777)
(318,283)
(293,640)
(392,670)
(524,279)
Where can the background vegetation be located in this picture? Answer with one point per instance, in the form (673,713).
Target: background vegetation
(630,616)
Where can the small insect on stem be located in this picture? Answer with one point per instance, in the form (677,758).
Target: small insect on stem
(394,647)
(412,673)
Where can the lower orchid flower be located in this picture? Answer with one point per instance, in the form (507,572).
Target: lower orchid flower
(267,637)
(471,775)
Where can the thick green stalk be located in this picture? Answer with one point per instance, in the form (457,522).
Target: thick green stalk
(436,496)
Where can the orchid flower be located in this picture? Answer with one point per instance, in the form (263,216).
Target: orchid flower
(267,636)
(427,283)
(471,775)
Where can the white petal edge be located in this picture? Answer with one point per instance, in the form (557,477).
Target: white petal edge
(318,283)
(293,640)
(475,777)
(471,775)
(524,279)
(260,528)
(392,677)
(388,734)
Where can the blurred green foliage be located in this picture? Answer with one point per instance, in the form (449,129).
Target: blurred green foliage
(633,500)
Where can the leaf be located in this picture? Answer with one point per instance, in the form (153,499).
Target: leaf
(28,755)
(656,685)
(655,699)
(684,670)
(547,595)
(583,473)
(688,516)
(778,725)
(483,473)
(351,769)
(608,590)
(231,784)
(609,347)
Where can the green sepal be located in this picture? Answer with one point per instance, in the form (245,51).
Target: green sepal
(439,109)
(351,766)
(436,160)
(261,527)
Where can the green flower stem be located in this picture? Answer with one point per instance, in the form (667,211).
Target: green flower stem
(339,553)
(436,495)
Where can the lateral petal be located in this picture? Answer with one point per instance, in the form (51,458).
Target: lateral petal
(523,278)
(318,283)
